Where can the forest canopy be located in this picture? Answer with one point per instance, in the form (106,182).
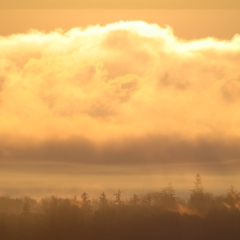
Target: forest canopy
(153,215)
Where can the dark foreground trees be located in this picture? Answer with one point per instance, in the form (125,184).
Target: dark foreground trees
(152,216)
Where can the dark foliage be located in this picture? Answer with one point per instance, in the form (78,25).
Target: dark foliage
(151,216)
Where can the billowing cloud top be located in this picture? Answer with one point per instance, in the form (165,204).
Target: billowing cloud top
(125,88)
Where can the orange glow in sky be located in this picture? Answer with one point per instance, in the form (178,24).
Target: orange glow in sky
(117,87)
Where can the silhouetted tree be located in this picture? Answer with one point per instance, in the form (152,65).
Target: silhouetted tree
(167,197)
(232,200)
(233,192)
(147,216)
(146,200)
(103,201)
(198,191)
(135,200)
(198,198)
(86,203)
(28,203)
(75,201)
(26,208)
(118,200)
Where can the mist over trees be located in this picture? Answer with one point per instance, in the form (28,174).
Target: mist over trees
(151,216)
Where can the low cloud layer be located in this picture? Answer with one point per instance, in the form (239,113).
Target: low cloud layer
(127,92)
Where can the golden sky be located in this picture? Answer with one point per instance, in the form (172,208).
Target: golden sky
(119,87)
(121,4)
(187,24)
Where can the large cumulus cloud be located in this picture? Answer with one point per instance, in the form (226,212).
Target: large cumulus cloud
(129,91)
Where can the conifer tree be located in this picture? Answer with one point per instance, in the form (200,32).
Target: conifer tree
(135,200)
(118,200)
(103,201)
(26,210)
(232,199)
(86,203)
(168,198)
(198,198)
(197,192)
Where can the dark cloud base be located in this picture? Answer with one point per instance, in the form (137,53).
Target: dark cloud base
(215,153)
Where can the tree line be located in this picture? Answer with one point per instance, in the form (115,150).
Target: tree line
(152,216)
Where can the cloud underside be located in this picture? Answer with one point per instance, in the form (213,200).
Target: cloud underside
(123,93)
(212,154)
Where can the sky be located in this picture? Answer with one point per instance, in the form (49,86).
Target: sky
(108,98)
